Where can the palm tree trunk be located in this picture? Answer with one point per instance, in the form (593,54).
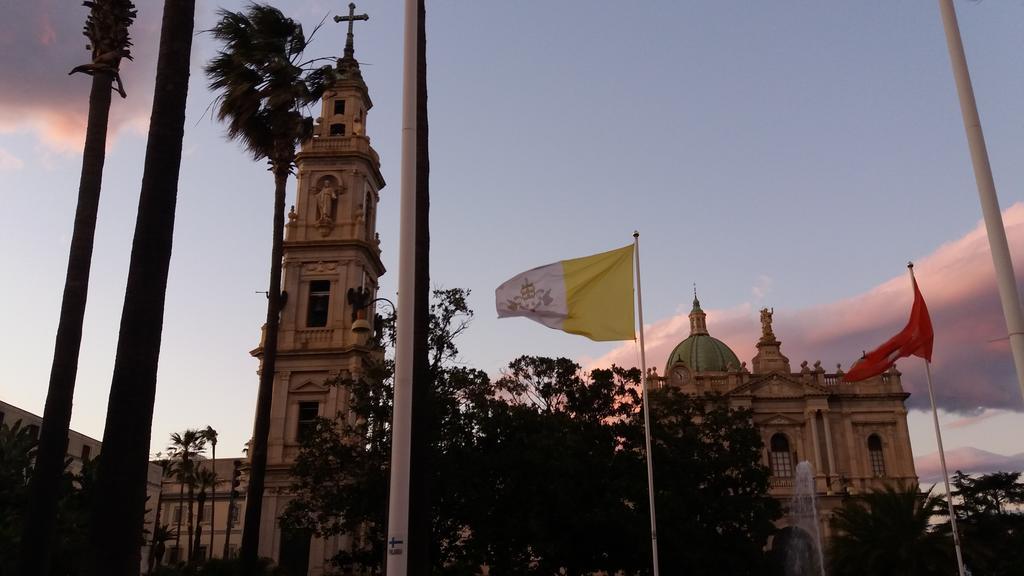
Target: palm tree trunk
(213,496)
(40,527)
(199,527)
(261,427)
(120,503)
(421,428)
(156,527)
(181,500)
(191,520)
(227,528)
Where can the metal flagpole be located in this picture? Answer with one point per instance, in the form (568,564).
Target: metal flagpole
(1008,294)
(398,498)
(647,417)
(942,459)
(945,473)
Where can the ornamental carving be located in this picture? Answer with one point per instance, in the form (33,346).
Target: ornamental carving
(322,267)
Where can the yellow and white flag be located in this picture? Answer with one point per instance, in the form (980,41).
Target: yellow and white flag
(591,296)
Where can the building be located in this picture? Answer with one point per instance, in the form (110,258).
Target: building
(853,435)
(331,266)
(219,524)
(79,449)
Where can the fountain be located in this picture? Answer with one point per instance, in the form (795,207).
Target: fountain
(804,555)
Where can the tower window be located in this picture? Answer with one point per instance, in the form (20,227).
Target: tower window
(781,460)
(339,106)
(876,456)
(337,129)
(86,451)
(319,303)
(308,411)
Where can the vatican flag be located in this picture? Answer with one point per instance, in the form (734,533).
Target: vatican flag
(591,296)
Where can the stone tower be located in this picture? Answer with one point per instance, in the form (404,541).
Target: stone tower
(331,257)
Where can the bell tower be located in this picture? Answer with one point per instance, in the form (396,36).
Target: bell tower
(331,266)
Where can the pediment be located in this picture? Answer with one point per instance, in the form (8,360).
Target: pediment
(778,386)
(308,386)
(779,420)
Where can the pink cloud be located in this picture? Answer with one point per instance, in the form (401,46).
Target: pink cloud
(971,371)
(40,42)
(968,460)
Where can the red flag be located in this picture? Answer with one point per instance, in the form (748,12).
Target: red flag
(914,340)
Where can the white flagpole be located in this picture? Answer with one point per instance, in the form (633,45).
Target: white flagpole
(647,418)
(396,563)
(942,458)
(1008,294)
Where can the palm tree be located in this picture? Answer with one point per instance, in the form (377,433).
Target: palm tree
(211,437)
(107,30)
(206,479)
(183,450)
(161,535)
(165,465)
(120,505)
(889,532)
(264,87)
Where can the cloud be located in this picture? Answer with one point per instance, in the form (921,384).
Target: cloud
(9,162)
(40,41)
(968,460)
(973,369)
(761,287)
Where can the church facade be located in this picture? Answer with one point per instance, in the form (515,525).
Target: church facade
(853,435)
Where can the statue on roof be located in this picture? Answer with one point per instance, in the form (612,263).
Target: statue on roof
(767,335)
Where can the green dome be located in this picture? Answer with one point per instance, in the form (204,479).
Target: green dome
(703,353)
(700,352)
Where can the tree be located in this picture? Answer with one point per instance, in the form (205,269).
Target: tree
(211,437)
(991,522)
(17,448)
(264,87)
(539,472)
(206,480)
(120,503)
(183,450)
(711,489)
(74,498)
(890,532)
(160,535)
(107,30)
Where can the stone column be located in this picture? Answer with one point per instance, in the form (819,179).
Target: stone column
(812,420)
(832,473)
(853,456)
(905,460)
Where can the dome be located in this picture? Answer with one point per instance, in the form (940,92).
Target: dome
(700,352)
(703,353)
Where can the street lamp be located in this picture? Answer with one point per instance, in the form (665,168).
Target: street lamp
(360,300)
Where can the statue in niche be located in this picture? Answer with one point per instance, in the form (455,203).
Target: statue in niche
(327,200)
(767,335)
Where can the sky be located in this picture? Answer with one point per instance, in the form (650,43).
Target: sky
(792,154)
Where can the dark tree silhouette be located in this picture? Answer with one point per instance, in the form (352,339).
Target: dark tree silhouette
(264,87)
(107,31)
(120,502)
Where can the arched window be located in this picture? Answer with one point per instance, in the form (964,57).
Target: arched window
(876,456)
(781,459)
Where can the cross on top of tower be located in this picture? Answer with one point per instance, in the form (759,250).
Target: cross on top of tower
(351,18)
